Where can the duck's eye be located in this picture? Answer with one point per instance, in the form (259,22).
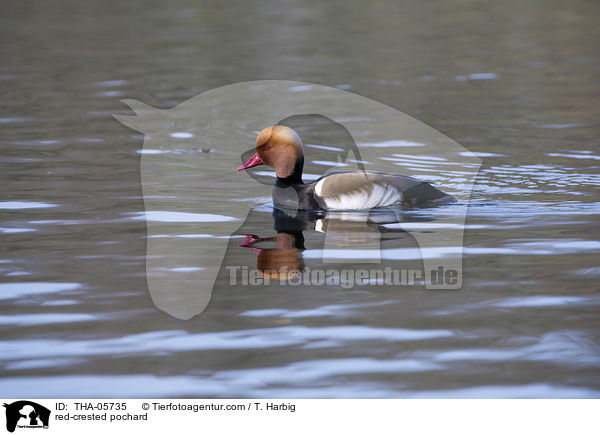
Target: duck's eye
(267,147)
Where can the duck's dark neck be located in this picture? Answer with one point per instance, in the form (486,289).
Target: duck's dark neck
(292,179)
(295,177)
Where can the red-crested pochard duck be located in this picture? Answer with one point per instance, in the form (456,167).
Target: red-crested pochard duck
(281,148)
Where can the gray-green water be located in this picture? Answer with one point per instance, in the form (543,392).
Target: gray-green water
(516,82)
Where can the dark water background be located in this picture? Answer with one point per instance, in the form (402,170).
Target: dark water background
(517,82)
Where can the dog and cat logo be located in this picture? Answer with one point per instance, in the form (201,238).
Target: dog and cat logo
(25,414)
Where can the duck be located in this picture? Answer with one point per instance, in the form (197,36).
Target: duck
(281,148)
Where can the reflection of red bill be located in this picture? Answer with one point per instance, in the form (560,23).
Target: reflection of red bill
(254,161)
(250,239)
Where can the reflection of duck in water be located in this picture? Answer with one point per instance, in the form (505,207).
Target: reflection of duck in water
(280,147)
(280,257)
(282,261)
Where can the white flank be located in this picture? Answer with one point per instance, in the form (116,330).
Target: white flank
(380,196)
(319,187)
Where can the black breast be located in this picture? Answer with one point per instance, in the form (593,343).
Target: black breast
(295,196)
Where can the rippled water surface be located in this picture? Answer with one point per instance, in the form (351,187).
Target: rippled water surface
(516,83)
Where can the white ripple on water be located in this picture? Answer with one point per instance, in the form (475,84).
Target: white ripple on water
(557,245)
(431,225)
(560,126)
(385,254)
(574,156)
(175,216)
(534,301)
(477,76)
(111,83)
(307,371)
(539,247)
(409,157)
(323,147)
(44,319)
(590,271)
(480,154)
(182,236)
(527,391)
(17,290)
(525,210)
(329,163)
(42,363)
(323,311)
(151,151)
(391,144)
(415,166)
(110,94)
(110,386)
(534,175)
(560,347)
(142,386)
(545,301)
(14,120)
(61,302)
(20,205)
(177,341)
(15,230)
(182,135)
(185,269)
